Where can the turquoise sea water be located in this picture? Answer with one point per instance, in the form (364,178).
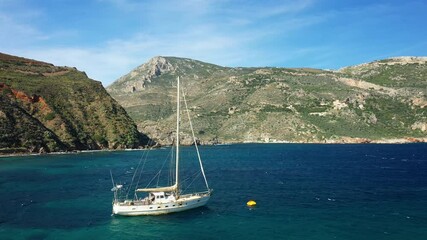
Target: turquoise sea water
(302,192)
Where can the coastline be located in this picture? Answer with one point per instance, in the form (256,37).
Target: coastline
(342,140)
(346,140)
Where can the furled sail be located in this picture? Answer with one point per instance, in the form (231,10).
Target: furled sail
(159,189)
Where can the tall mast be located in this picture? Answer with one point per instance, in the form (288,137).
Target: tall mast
(177,137)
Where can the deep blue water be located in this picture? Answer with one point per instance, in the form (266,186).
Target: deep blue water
(302,192)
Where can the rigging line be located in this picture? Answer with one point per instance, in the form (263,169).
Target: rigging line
(158,178)
(112,180)
(152,179)
(161,168)
(134,174)
(194,179)
(194,140)
(156,175)
(193,176)
(142,169)
(140,172)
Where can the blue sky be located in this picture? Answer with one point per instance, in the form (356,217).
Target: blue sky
(108,38)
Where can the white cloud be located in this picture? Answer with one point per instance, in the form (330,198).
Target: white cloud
(213,31)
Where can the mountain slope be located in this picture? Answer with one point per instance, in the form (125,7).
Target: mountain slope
(50,108)
(378,101)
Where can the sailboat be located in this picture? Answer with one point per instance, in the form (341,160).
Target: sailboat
(165,199)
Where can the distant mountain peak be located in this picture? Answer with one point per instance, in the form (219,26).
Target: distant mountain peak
(153,68)
(138,78)
(158,65)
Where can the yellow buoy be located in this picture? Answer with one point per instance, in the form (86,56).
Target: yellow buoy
(251,203)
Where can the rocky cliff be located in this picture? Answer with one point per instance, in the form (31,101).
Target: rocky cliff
(382,101)
(46,108)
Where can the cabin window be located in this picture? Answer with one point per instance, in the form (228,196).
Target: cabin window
(162,196)
(151,207)
(166,206)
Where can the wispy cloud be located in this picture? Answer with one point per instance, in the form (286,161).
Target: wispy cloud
(16,27)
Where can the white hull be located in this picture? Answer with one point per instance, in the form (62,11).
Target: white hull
(185,202)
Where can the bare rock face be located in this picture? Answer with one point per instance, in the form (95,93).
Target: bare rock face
(42,150)
(420,125)
(159,65)
(136,80)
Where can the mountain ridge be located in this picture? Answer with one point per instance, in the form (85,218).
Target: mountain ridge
(269,104)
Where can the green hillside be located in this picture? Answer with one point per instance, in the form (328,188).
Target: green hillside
(380,101)
(48,108)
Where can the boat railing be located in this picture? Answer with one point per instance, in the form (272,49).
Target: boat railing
(196,194)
